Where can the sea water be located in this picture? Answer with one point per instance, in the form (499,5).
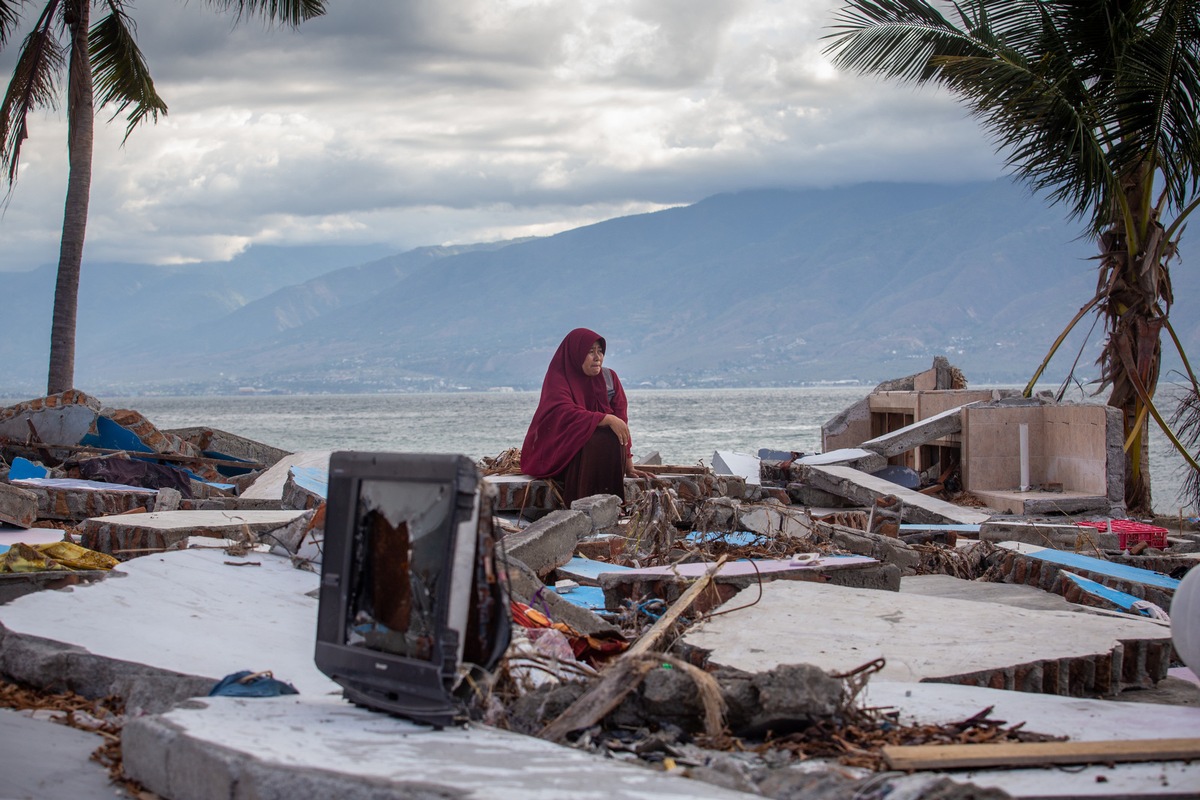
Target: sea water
(683,426)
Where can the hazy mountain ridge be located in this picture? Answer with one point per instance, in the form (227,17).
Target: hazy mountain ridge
(758,287)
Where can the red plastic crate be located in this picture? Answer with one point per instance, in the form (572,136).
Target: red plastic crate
(1130,531)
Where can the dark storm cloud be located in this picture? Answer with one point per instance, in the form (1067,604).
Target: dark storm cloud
(415,123)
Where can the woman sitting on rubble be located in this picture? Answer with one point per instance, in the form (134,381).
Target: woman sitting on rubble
(579,435)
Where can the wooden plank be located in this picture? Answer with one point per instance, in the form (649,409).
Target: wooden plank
(669,469)
(651,639)
(1012,754)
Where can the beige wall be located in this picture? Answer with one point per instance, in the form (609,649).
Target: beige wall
(1066,445)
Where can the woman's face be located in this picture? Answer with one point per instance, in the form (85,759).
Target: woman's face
(593,361)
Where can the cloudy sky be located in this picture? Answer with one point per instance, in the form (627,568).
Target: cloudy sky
(414,122)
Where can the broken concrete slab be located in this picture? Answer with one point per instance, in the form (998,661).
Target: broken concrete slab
(839,628)
(1090,593)
(197,614)
(1060,536)
(587,571)
(127,429)
(269,484)
(18,584)
(744,465)
(305,487)
(918,433)
(548,543)
(531,497)
(603,510)
(1174,564)
(882,548)
(18,506)
(63,418)
(854,457)
(1037,502)
(789,473)
(774,519)
(669,583)
(804,495)
(1042,567)
(302,539)
(74,500)
(49,760)
(224,445)
(297,747)
(168,624)
(528,588)
(167,499)
(788,697)
(127,536)
(233,504)
(10,535)
(651,459)
(1080,719)
(864,489)
(981,591)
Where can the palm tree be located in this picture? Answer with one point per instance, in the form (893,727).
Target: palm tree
(1094,101)
(103,64)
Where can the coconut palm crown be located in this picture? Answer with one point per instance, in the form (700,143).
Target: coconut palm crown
(103,66)
(1095,103)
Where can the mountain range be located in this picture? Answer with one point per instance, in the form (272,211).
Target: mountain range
(763,287)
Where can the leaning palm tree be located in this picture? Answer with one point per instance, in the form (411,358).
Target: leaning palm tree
(104,65)
(1095,102)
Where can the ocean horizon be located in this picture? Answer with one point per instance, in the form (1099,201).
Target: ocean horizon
(684,426)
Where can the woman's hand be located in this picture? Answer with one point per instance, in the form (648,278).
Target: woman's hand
(618,427)
(633,472)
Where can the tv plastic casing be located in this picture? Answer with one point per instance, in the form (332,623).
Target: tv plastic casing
(409,587)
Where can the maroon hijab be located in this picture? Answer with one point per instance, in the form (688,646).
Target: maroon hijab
(571,406)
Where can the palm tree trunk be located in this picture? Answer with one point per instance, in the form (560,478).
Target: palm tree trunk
(1136,286)
(80,122)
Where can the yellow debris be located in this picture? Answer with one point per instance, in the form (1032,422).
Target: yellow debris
(23,558)
(53,556)
(75,557)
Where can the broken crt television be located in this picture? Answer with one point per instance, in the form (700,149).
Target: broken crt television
(410,597)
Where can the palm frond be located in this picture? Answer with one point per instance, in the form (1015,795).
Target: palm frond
(1159,99)
(119,70)
(287,12)
(894,38)
(10,15)
(1080,95)
(32,86)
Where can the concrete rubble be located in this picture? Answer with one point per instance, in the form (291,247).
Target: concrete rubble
(775,625)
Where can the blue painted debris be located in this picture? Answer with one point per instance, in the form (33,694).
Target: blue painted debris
(312,479)
(23,469)
(109,435)
(588,570)
(1120,600)
(1107,568)
(589,597)
(229,470)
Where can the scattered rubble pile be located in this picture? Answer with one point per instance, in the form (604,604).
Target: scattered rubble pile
(627,610)
(102,716)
